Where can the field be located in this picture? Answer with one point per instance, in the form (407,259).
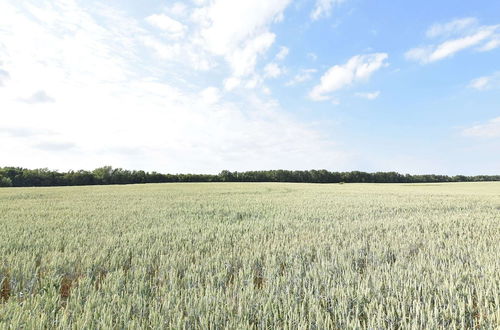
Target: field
(251,256)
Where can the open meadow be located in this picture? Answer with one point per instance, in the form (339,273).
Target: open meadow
(251,255)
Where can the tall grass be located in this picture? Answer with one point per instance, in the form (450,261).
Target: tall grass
(251,256)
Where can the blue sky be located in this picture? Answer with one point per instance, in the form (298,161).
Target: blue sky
(206,85)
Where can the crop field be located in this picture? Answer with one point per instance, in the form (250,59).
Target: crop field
(230,255)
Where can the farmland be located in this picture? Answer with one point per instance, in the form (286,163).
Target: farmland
(251,255)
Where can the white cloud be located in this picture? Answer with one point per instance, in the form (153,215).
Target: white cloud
(462,34)
(272,70)
(358,68)
(446,49)
(284,51)
(210,95)
(178,9)
(369,95)
(226,24)
(238,30)
(38,97)
(180,53)
(231,83)
(323,8)
(486,82)
(236,33)
(4,76)
(136,111)
(253,82)
(312,56)
(480,83)
(302,76)
(490,129)
(266,90)
(452,27)
(200,2)
(23,132)
(172,28)
(243,60)
(162,50)
(492,44)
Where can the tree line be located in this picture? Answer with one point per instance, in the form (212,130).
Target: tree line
(22,177)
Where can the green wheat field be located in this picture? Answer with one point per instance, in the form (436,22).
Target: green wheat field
(251,255)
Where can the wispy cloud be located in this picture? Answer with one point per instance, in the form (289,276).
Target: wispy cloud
(490,129)
(244,59)
(486,82)
(172,28)
(283,53)
(303,76)
(456,36)
(359,68)
(368,95)
(452,27)
(323,8)
(312,56)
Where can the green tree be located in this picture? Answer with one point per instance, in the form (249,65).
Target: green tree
(226,176)
(103,174)
(5,182)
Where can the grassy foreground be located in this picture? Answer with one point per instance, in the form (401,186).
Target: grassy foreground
(251,256)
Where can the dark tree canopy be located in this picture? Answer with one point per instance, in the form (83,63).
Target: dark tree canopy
(22,177)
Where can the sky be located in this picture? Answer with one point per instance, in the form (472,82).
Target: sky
(199,86)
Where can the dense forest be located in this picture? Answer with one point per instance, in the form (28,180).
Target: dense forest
(22,177)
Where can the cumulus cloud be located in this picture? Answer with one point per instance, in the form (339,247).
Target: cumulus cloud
(236,33)
(323,8)
(456,36)
(368,95)
(490,129)
(359,68)
(272,70)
